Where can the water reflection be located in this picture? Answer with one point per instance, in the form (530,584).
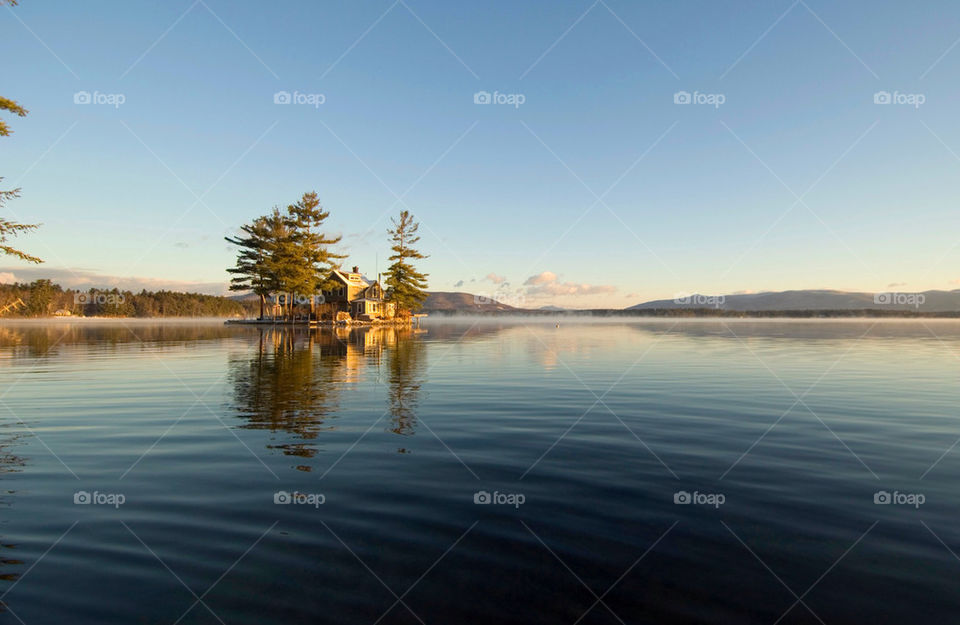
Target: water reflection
(9,463)
(407,372)
(47,338)
(295,380)
(290,385)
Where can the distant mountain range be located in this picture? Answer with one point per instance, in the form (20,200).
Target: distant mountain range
(927,301)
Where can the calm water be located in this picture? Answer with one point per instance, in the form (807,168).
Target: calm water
(183,435)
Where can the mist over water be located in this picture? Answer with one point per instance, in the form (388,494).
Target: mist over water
(480,470)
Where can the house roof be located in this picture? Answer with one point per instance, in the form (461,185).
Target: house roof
(362,281)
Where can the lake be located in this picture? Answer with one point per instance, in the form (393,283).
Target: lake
(485,471)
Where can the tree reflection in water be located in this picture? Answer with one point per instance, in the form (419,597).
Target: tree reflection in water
(406,367)
(296,379)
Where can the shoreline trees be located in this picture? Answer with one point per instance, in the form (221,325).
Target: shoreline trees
(44,298)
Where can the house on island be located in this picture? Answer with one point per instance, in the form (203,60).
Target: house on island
(356,297)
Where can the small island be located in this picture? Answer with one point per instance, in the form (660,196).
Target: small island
(286,258)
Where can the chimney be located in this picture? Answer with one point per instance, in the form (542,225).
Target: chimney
(356,269)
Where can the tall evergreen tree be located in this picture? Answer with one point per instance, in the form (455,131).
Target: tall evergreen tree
(313,245)
(405,285)
(283,262)
(250,272)
(285,252)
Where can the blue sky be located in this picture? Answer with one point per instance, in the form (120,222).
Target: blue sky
(598,189)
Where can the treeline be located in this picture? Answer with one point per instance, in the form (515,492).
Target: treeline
(287,252)
(43,298)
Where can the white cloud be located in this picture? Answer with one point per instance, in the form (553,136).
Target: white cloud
(7,278)
(542,278)
(546,285)
(492,277)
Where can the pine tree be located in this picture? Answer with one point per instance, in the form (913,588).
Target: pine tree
(285,252)
(250,272)
(283,261)
(7,104)
(317,260)
(12,228)
(41,295)
(405,285)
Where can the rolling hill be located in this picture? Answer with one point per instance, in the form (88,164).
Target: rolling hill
(927,301)
(456,302)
